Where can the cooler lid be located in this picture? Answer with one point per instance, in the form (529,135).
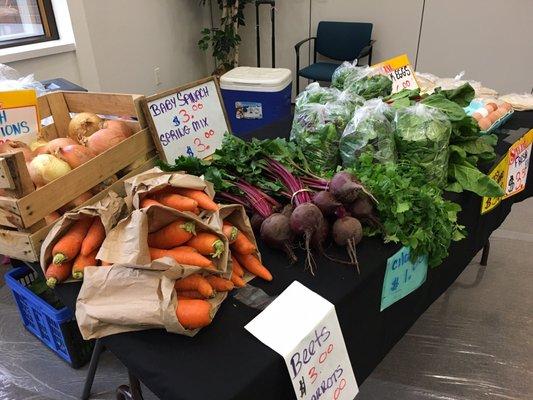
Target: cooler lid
(241,78)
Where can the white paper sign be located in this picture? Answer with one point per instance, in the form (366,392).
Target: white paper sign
(303,328)
(187,121)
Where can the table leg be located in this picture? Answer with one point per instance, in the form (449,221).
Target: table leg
(98,349)
(485,254)
(131,392)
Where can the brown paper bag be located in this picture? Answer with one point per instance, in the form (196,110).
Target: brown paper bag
(154,179)
(110,209)
(120,299)
(127,242)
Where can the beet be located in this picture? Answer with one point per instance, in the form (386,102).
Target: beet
(320,235)
(362,207)
(276,233)
(256,221)
(345,187)
(327,203)
(304,221)
(287,210)
(348,232)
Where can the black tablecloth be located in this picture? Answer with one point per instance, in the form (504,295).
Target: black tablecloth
(224,361)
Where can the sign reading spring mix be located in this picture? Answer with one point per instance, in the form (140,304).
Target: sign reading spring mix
(19,116)
(187,121)
(399,70)
(511,172)
(303,328)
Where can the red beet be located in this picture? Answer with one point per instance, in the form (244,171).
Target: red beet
(276,233)
(304,221)
(348,232)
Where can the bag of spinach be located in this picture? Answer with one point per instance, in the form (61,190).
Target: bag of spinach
(347,71)
(316,129)
(369,130)
(422,137)
(316,94)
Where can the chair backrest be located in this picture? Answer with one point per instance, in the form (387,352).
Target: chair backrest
(342,41)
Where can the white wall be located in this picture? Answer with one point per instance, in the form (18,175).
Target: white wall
(62,65)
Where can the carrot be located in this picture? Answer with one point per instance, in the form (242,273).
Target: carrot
(219,284)
(83,261)
(243,245)
(94,239)
(252,264)
(195,282)
(182,256)
(230,232)
(193,313)
(190,294)
(237,280)
(68,247)
(52,217)
(237,268)
(207,244)
(176,201)
(147,202)
(174,234)
(56,273)
(203,200)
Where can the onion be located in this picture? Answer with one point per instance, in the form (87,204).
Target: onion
(13,146)
(120,126)
(83,125)
(37,144)
(74,154)
(54,145)
(103,140)
(78,201)
(44,168)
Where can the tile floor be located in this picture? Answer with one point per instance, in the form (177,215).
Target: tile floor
(473,343)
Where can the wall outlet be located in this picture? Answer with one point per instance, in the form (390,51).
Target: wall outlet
(157,76)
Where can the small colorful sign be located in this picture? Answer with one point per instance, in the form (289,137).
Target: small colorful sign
(303,328)
(499,174)
(402,276)
(399,70)
(248,110)
(187,121)
(19,116)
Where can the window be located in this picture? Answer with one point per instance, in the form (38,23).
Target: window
(26,21)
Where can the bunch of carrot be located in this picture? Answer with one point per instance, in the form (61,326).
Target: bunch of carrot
(180,199)
(76,250)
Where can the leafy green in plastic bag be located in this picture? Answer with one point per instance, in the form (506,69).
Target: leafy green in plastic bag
(369,87)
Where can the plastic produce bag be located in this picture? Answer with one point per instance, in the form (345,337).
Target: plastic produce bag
(369,130)
(317,129)
(314,93)
(361,81)
(10,79)
(422,137)
(347,71)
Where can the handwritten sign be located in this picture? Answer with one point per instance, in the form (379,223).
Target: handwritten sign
(402,276)
(399,70)
(303,328)
(499,174)
(19,117)
(518,164)
(187,121)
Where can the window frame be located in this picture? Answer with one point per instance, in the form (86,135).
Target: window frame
(49,25)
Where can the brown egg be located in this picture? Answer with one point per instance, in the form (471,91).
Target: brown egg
(506,106)
(484,124)
(494,116)
(500,112)
(491,106)
(477,116)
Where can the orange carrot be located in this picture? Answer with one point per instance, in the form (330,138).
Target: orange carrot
(195,282)
(207,244)
(237,268)
(243,245)
(203,200)
(193,313)
(94,239)
(83,261)
(219,284)
(176,201)
(56,273)
(230,232)
(190,294)
(52,217)
(174,234)
(182,256)
(68,247)
(147,202)
(252,264)
(237,280)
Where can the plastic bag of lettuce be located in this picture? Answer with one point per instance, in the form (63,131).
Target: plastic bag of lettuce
(369,130)
(361,81)
(422,137)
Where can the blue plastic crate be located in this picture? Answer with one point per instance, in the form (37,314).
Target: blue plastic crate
(55,328)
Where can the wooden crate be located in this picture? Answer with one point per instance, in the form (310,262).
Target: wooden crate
(23,208)
(26,246)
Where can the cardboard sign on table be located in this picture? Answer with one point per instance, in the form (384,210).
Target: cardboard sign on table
(303,328)
(188,120)
(19,116)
